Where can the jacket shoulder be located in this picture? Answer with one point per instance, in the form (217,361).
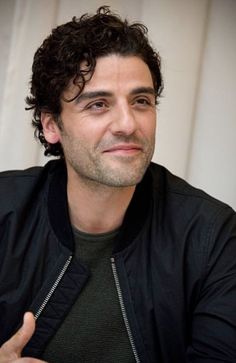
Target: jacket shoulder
(186,208)
(14,175)
(172,187)
(18,186)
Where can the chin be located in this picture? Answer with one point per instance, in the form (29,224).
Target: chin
(124,181)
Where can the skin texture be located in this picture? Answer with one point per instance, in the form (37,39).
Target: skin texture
(108,134)
(108,137)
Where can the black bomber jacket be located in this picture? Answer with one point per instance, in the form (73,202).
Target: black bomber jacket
(174,263)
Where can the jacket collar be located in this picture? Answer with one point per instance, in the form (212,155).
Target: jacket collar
(134,219)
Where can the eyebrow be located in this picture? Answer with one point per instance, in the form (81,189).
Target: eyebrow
(148,90)
(92,95)
(100,93)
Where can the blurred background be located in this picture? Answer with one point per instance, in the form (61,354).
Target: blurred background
(196,136)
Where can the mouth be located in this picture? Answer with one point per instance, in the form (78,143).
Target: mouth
(124,149)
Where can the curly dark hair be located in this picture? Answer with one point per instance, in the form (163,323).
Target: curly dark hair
(57,61)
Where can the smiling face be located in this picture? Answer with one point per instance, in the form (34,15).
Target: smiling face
(108,132)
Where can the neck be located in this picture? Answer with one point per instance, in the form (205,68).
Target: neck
(97,208)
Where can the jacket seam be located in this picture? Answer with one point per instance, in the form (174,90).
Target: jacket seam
(209,199)
(208,243)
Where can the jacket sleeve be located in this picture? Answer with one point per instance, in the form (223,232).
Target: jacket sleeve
(213,337)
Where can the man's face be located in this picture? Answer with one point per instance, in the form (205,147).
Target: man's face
(108,132)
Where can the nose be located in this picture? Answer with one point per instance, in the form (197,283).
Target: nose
(123,121)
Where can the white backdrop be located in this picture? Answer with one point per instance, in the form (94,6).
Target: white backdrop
(197,115)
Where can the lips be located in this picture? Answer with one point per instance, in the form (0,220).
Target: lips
(124,148)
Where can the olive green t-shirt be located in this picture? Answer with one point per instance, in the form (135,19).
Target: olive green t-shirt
(94,329)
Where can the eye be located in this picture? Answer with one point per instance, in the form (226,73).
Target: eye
(143,102)
(97,106)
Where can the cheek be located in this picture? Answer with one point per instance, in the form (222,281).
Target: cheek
(81,137)
(94,132)
(149,127)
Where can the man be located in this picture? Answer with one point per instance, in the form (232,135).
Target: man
(117,259)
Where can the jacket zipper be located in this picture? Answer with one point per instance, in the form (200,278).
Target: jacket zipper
(53,288)
(123,310)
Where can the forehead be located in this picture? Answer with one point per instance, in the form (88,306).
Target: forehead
(116,73)
(116,69)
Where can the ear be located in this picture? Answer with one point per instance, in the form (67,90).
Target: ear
(51,130)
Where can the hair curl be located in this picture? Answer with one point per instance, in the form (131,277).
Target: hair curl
(57,61)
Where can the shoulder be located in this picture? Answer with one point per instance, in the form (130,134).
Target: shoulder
(175,189)
(189,211)
(11,176)
(198,226)
(18,186)
(32,173)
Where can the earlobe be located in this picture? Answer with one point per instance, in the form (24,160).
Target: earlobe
(50,129)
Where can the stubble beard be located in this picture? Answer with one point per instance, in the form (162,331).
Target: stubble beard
(113,171)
